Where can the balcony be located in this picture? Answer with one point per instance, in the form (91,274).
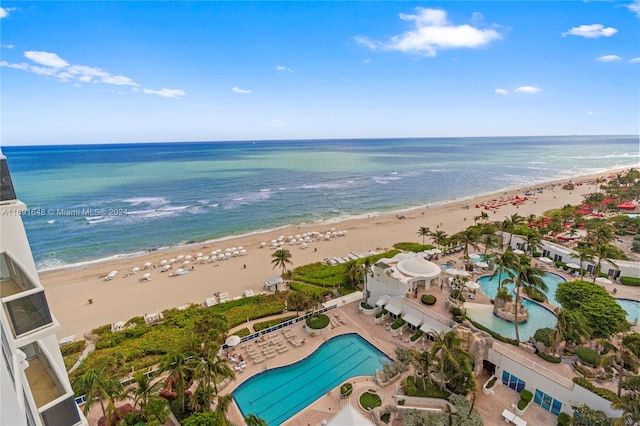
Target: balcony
(9,287)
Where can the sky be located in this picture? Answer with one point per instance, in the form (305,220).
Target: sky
(109,72)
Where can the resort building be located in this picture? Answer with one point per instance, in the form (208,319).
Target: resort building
(35,388)
(516,367)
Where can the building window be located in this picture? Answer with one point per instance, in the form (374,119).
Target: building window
(547,402)
(512,381)
(29,313)
(64,413)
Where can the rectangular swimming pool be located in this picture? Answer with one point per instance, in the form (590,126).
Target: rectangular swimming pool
(276,395)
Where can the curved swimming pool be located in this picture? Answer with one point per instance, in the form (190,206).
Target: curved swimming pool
(277,394)
(632,307)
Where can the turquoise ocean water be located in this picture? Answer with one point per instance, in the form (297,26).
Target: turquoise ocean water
(90,202)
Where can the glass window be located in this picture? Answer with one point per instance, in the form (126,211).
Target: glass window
(29,313)
(64,413)
(547,402)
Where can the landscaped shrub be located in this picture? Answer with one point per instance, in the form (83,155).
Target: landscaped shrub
(548,357)
(564,419)
(414,247)
(307,288)
(415,336)
(318,322)
(525,398)
(365,305)
(632,281)
(242,332)
(259,326)
(428,299)
(543,335)
(605,393)
(491,383)
(588,356)
(381,313)
(72,348)
(424,388)
(346,389)
(398,323)
(369,400)
(535,294)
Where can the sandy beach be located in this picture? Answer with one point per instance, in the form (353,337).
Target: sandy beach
(68,290)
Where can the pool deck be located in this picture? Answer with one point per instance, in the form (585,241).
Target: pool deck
(326,407)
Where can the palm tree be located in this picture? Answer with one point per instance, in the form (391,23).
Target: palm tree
(209,372)
(604,252)
(533,241)
(353,273)
(99,386)
(585,255)
(297,300)
(467,237)
(630,410)
(281,258)
(623,358)
(526,276)
(144,390)
(224,401)
(511,223)
(180,370)
(439,238)
(423,231)
(571,326)
(503,264)
(490,241)
(446,352)
(253,420)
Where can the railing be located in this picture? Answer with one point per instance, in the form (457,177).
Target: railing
(439,317)
(533,366)
(280,326)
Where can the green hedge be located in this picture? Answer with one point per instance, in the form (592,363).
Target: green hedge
(543,335)
(381,313)
(414,247)
(548,357)
(398,323)
(346,389)
(635,282)
(605,393)
(525,398)
(564,419)
(428,299)
(415,336)
(307,288)
(588,356)
(259,326)
(318,322)
(73,348)
(369,400)
(494,334)
(424,388)
(365,305)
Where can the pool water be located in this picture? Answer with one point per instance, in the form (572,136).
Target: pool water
(277,394)
(632,307)
(489,286)
(539,317)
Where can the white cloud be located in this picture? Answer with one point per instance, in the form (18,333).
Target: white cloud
(7,46)
(51,65)
(431,33)
(366,61)
(635,7)
(592,113)
(634,60)
(47,59)
(501,92)
(4,11)
(166,93)
(241,91)
(591,31)
(281,68)
(527,89)
(609,58)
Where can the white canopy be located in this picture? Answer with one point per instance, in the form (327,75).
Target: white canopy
(603,280)
(472,285)
(412,320)
(482,264)
(518,251)
(434,326)
(232,340)
(395,310)
(382,301)
(572,265)
(349,416)
(545,259)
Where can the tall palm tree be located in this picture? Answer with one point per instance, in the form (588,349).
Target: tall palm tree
(280,259)
(446,352)
(571,326)
(224,402)
(585,255)
(297,300)
(623,358)
(144,390)
(489,241)
(424,231)
(511,223)
(603,252)
(180,370)
(467,237)
(353,273)
(630,410)
(208,372)
(99,386)
(503,266)
(533,241)
(439,238)
(526,276)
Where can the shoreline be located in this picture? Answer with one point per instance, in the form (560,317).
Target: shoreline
(320,223)
(69,289)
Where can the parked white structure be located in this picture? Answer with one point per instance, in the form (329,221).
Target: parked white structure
(35,388)
(403,274)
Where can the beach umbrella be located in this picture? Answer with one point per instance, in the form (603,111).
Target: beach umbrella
(164,261)
(573,265)
(135,269)
(147,265)
(174,260)
(179,271)
(233,340)
(482,264)
(185,263)
(463,274)
(180,257)
(452,271)
(603,280)
(199,254)
(472,285)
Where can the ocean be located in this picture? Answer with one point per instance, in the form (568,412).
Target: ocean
(95,202)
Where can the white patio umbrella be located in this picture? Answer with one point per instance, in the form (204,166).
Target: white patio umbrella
(463,274)
(147,265)
(135,269)
(452,271)
(573,265)
(603,280)
(436,251)
(518,251)
(545,259)
(482,264)
(233,340)
(475,256)
(164,261)
(472,285)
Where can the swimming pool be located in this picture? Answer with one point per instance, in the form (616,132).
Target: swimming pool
(489,286)
(632,307)
(276,395)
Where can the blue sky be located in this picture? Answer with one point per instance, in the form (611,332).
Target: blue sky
(101,72)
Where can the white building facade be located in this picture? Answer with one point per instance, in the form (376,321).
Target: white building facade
(35,388)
